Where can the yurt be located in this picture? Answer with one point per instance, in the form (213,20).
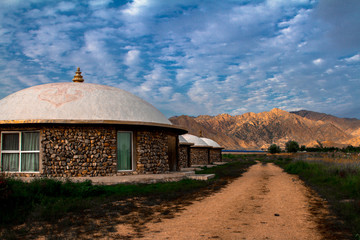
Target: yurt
(71,129)
(215,151)
(199,151)
(184,152)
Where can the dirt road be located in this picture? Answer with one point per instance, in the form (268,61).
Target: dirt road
(265,203)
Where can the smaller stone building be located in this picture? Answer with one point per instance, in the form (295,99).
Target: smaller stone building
(184,152)
(215,151)
(199,152)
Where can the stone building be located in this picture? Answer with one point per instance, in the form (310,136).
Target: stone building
(199,152)
(184,152)
(215,152)
(82,129)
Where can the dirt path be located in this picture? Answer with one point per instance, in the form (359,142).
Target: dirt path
(265,203)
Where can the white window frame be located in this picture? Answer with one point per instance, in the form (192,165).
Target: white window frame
(18,151)
(132,151)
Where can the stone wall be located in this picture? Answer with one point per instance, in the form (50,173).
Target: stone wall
(199,156)
(152,148)
(78,151)
(215,155)
(183,156)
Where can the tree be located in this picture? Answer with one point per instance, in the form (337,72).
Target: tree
(274,149)
(292,146)
(303,148)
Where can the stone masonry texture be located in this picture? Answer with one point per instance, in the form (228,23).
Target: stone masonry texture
(215,155)
(79,151)
(152,150)
(199,155)
(183,156)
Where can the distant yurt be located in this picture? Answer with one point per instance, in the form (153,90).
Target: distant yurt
(215,151)
(184,152)
(72,129)
(199,151)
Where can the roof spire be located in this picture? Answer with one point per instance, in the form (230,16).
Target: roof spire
(78,77)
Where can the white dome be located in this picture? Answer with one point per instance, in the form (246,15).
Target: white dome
(211,142)
(76,102)
(198,142)
(183,141)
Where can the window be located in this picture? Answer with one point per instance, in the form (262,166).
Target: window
(124,151)
(20,151)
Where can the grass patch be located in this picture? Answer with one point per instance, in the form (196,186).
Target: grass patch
(49,199)
(338,185)
(66,204)
(230,170)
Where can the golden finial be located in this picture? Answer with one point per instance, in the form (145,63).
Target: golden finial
(200,133)
(78,77)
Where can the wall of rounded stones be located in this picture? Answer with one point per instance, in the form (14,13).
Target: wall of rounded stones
(183,156)
(78,151)
(199,155)
(152,152)
(215,155)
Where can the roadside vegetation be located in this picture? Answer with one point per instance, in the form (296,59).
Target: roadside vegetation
(293,147)
(338,183)
(71,208)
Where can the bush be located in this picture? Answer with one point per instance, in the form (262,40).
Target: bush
(274,149)
(292,146)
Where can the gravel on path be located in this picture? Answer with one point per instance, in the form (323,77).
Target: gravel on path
(265,203)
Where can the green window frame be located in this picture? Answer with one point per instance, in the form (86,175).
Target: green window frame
(124,150)
(20,151)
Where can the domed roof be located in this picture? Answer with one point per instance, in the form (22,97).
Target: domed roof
(78,102)
(198,142)
(211,142)
(183,141)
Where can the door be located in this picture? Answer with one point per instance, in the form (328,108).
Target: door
(124,151)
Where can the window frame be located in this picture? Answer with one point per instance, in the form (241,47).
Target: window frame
(131,151)
(19,151)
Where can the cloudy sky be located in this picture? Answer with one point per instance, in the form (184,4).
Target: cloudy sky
(191,56)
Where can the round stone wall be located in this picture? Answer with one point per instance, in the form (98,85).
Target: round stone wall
(88,151)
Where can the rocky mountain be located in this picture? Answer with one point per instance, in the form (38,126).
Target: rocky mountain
(349,125)
(259,130)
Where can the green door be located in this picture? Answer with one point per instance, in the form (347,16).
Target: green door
(124,151)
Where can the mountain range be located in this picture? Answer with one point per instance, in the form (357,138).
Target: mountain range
(259,130)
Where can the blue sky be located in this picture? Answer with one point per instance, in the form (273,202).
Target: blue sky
(191,57)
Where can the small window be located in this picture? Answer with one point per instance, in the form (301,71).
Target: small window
(124,151)
(20,151)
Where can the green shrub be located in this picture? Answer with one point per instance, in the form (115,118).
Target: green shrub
(274,149)
(292,146)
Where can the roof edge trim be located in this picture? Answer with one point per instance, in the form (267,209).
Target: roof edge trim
(79,121)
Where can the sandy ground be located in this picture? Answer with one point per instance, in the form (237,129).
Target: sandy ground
(265,203)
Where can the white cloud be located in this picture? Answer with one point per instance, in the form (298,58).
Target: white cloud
(355,58)
(66,6)
(318,61)
(132,57)
(136,7)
